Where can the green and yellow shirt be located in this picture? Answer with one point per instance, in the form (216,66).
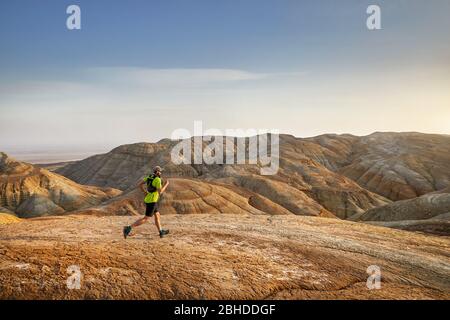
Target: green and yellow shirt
(152,197)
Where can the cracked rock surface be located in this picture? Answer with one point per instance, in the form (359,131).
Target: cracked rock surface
(226,256)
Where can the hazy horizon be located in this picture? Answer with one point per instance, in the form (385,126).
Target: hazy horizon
(56,154)
(136,72)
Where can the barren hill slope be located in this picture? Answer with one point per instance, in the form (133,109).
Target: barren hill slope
(30,191)
(195,196)
(428,213)
(395,165)
(219,257)
(6,218)
(427,206)
(302,185)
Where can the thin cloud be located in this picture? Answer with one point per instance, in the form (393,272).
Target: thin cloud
(172,77)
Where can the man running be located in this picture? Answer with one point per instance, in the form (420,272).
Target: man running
(152,186)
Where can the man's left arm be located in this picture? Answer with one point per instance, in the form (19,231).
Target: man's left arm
(164,187)
(142,185)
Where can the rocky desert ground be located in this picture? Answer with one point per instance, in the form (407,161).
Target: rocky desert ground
(338,205)
(214,256)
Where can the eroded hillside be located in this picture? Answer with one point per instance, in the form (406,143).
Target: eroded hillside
(30,191)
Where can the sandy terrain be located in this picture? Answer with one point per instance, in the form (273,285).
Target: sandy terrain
(219,257)
(6,218)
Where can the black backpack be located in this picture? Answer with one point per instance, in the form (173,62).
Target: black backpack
(150,187)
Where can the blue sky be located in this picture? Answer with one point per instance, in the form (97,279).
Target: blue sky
(137,70)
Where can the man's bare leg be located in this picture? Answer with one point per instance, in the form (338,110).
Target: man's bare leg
(140,221)
(127,229)
(162,232)
(143,220)
(158,221)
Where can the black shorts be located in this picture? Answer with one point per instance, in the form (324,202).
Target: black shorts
(151,208)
